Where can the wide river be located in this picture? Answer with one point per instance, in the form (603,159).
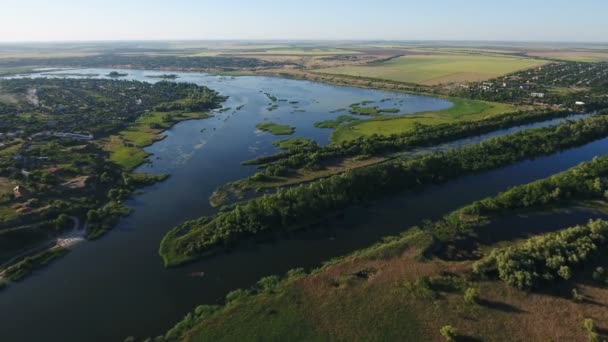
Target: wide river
(117,286)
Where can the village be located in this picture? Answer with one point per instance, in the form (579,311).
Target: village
(563,85)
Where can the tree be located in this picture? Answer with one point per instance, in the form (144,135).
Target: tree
(62,221)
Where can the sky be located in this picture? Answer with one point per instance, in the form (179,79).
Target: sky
(502,20)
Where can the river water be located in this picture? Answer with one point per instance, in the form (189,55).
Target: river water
(116,287)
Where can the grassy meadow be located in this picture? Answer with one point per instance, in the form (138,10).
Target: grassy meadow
(438,68)
(126,148)
(460,111)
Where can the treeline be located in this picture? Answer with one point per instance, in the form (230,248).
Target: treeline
(146,62)
(422,135)
(293,208)
(548,258)
(586,181)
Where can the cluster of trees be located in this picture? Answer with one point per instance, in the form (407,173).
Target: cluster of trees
(293,208)
(422,135)
(147,62)
(546,259)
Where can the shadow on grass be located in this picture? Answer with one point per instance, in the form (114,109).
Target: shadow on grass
(461,338)
(500,306)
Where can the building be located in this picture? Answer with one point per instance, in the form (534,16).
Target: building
(539,95)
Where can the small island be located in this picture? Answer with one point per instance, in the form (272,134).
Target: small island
(116,74)
(293,144)
(164,76)
(275,129)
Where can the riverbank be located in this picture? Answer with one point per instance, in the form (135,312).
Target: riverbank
(127,147)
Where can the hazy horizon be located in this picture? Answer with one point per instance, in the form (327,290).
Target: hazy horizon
(268,20)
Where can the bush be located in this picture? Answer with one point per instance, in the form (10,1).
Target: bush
(591,329)
(577,297)
(269,284)
(599,274)
(236,295)
(471,295)
(448,332)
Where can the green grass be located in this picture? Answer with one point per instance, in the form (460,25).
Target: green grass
(342,119)
(294,143)
(437,69)
(9,151)
(317,307)
(461,110)
(126,148)
(7,213)
(275,129)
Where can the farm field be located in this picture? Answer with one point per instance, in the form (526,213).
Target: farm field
(573,55)
(438,69)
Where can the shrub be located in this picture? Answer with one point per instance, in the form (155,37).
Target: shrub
(591,329)
(269,284)
(599,274)
(448,332)
(471,295)
(236,295)
(576,296)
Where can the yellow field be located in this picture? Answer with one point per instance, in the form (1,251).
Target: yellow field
(438,69)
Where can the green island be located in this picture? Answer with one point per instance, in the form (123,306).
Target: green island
(294,144)
(116,74)
(371,111)
(164,76)
(275,128)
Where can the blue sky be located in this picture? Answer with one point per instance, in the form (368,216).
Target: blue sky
(531,20)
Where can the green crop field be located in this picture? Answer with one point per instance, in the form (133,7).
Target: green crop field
(437,69)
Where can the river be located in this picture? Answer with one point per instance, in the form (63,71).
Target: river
(116,287)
